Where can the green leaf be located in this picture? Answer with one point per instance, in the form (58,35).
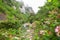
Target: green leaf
(49,0)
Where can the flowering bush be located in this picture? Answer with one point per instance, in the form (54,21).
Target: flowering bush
(45,25)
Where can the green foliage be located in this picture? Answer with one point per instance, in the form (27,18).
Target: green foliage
(47,18)
(9,24)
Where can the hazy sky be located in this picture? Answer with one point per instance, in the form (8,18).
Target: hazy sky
(34,3)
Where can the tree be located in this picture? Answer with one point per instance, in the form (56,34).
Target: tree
(13,15)
(47,16)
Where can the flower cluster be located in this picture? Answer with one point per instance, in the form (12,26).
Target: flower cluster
(57,30)
(42,32)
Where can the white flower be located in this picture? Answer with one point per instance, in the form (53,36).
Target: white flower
(28,30)
(16,37)
(42,32)
(26,24)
